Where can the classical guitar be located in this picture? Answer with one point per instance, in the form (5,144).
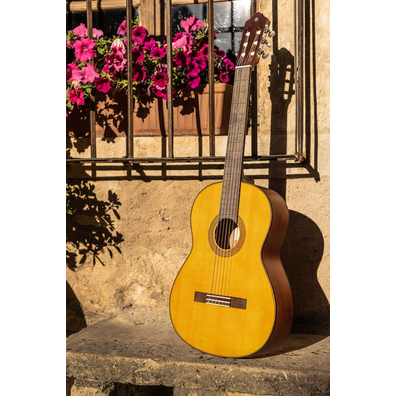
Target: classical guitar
(231,297)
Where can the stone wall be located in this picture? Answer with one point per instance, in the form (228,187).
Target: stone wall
(130,232)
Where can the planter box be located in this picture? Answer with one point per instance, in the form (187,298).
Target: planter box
(190,114)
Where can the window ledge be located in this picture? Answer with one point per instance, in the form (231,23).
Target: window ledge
(153,354)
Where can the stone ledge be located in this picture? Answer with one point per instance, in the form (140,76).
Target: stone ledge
(153,355)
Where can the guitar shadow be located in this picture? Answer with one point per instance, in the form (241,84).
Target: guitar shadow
(301,256)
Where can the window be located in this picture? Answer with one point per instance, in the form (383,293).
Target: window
(229,18)
(106,20)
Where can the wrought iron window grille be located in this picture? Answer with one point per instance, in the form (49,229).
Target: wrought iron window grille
(89,6)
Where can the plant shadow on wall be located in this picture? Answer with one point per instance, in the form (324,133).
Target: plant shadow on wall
(90,229)
(90,232)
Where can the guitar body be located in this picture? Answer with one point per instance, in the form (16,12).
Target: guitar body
(235,301)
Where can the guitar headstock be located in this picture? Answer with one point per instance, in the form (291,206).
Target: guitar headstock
(253,38)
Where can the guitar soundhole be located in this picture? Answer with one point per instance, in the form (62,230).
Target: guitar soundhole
(226,234)
(226,237)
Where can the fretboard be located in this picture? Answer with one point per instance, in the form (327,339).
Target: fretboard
(229,203)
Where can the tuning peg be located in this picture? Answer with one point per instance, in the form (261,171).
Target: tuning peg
(271,34)
(265,55)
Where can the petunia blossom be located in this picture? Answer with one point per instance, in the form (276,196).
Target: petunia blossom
(149,44)
(84,50)
(139,73)
(69,70)
(193,79)
(81,30)
(102,84)
(137,54)
(88,74)
(191,24)
(76,97)
(138,35)
(123,29)
(157,52)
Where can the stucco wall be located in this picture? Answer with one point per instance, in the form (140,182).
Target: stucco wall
(130,232)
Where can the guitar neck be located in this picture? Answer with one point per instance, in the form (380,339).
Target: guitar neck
(229,203)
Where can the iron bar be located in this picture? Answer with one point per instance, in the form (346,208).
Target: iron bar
(180,159)
(211,78)
(170,76)
(90,5)
(254,95)
(92,104)
(298,39)
(130,142)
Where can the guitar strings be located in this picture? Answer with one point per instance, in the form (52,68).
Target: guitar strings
(222,264)
(231,213)
(220,235)
(236,174)
(238,147)
(230,208)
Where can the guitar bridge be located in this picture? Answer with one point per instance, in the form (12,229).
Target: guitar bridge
(213,299)
(221,301)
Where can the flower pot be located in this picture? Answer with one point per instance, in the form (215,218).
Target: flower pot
(150,116)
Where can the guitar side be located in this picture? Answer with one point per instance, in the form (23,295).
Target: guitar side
(260,313)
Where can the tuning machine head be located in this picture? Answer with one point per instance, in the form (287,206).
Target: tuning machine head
(270,33)
(263,54)
(265,42)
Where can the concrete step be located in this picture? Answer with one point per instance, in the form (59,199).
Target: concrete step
(112,358)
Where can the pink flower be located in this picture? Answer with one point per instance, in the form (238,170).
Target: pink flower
(102,85)
(224,77)
(204,51)
(191,24)
(137,54)
(139,73)
(160,79)
(122,29)
(193,79)
(149,45)
(83,50)
(181,59)
(182,43)
(82,32)
(69,71)
(88,74)
(69,44)
(96,33)
(119,46)
(76,96)
(116,61)
(200,61)
(139,34)
(160,93)
(228,64)
(157,52)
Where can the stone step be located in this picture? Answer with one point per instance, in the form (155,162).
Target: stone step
(110,358)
